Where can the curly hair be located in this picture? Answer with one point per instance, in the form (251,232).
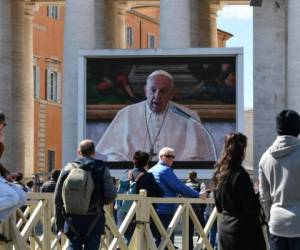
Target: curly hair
(232,157)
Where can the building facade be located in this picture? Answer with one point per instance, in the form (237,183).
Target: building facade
(276,60)
(48,23)
(141,32)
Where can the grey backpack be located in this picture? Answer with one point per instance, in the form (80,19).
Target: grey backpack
(77,190)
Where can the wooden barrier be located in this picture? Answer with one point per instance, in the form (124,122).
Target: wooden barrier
(31,228)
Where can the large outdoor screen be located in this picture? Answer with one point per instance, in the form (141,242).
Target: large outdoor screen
(201,106)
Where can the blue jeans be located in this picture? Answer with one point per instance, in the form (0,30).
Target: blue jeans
(284,243)
(91,242)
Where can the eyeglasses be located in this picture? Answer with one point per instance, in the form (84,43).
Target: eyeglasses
(169,156)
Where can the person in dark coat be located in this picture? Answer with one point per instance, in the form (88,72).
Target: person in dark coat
(49,186)
(144,180)
(85,229)
(240,226)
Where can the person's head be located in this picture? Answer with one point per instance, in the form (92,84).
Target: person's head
(55,174)
(192,176)
(232,157)
(2,120)
(86,148)
(167,155)
(159,90)
(288,123)
(3,171)
(19,177)
(29,184)
(140,159)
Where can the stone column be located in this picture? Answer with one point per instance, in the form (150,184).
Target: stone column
(110,25)
(120,15)
(5,74)
(82,31)
(269,63)
(203,24)
(293,57)
(29,90)
(213,26)
(175,24)
(104,24)
(22,111)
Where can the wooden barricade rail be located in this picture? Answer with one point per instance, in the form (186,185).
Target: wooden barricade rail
(30,228)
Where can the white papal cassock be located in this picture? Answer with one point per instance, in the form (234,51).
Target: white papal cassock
(136,127)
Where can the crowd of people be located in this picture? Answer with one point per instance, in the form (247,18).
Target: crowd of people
(241,203)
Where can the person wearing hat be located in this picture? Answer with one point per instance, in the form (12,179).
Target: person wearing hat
(151,124)
(279,176)
(170,185)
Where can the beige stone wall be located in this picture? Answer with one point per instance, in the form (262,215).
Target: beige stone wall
(248,131)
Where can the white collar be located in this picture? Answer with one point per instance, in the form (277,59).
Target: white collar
(150,113)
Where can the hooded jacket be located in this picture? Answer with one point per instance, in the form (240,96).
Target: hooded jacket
(104,188)
(279,175)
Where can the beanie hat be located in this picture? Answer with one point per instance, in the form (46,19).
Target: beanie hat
(288,123)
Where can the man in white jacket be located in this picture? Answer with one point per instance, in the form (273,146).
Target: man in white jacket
(279,175)
(155,123)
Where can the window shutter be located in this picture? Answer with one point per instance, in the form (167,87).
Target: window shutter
(148,41)
(54,87)
(59,87)
(37,94)
(58,12)
(48,85)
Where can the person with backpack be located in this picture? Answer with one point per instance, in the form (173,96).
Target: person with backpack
(140,179)
(82,189)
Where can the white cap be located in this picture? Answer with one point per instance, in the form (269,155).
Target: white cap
(160,72)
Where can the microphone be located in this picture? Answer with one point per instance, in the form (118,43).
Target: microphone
(185,115)
(180,112)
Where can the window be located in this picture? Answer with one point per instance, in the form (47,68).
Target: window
(53,86)
(51,160)
(150,41)
(129,36)
(53,11)
(36,81)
